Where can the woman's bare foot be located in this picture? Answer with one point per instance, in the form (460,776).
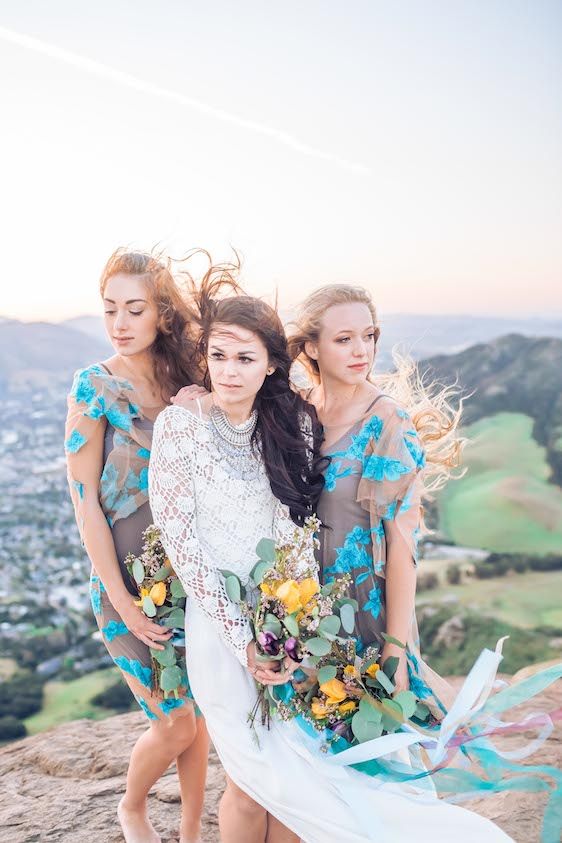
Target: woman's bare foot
(136,826)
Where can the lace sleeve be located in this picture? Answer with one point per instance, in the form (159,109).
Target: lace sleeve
(173,505)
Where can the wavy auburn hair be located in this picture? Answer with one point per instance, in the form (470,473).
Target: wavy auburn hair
(291,458)
(174,350)
(435,418)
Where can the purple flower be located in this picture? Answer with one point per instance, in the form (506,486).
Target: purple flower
(292,649)
(341,729)
(269,643)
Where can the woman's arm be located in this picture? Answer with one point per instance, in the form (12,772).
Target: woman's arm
(173,505)
(84,470)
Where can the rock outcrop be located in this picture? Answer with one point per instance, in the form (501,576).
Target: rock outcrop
(64,785)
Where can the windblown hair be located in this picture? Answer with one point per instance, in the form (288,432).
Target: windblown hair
(291,457)
(429,404)
(174,350)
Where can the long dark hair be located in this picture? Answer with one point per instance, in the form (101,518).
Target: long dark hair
(291,457)
(174,350)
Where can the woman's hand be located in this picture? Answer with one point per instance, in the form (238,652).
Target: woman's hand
(265,672)
(143,628)
(400,679)
(187,394)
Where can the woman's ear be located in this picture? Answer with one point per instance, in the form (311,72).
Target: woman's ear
(311,350)
(270,370)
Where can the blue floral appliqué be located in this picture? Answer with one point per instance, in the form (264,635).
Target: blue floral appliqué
(95,595)
(170,704)
(114,629)
(144,705)
(134,668)
(372,429)
(384,468)
(374,603)
(74,442)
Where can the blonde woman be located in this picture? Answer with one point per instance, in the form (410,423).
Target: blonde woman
(389,441)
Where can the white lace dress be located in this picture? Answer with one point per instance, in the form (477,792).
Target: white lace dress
(212,511)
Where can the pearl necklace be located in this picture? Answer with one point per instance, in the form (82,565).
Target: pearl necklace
(237,435)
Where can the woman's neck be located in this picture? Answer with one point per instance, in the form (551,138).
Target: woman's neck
(138,366)
(236,413)
(334,399)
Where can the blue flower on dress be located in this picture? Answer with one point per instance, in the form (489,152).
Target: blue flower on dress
(109,489)
(362,577)
(95,595)
(114,629)
(390,512)
(370,430)
(348,559)
(143,453)
(417,685)
(74,442)
(170,704)
(79,488)
(378,532)
(416,451)
(384,468)
(374,603)
(144,705)
(117,418)
(379,567)
(330,477)
(402,414)
(134,668)
(143,479)
(358,534)
(83,391)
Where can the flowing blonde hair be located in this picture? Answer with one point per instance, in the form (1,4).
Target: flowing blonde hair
(429,404)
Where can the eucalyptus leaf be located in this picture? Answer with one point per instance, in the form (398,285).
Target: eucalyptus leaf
(291,625)
(347,615)
(351,601)
(171,678)
(166,657)
(259,571)
(390,666)
(162,573)
(176,619)
(407,702)
(138,571)
(232,586)
(369,711)
(331,625)
(177,589)
(318,647)
(327,673)
(148,606)
(391,640)
(392,709)
(326,589)
(421,712)
(266,550)
(381,677)
(363,729)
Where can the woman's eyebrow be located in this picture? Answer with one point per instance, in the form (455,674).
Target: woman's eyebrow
(129,301)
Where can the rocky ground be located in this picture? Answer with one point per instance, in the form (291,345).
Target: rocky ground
(64,784)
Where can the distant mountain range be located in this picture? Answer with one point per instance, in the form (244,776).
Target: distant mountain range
(514,374)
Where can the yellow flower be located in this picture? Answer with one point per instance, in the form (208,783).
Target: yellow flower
(319,709)
(335,691)
(372,670)
(288,594)
(351,670)
(347,706)
(307,589)
(158,593)
(144,593)
(266,589)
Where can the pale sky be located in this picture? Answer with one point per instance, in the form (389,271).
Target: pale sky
(415,148)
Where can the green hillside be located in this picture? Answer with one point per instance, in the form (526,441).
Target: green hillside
(505,502)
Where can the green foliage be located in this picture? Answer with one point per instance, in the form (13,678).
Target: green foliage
(11,728)
(21,695)
(116,697)
(453,574)
(524,646)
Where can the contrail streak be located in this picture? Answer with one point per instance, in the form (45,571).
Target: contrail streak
(103,71)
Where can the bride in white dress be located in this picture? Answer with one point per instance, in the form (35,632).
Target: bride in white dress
(223,476)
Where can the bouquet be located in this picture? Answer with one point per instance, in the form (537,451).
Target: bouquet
(354,697)
(292,615)
(162,598)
